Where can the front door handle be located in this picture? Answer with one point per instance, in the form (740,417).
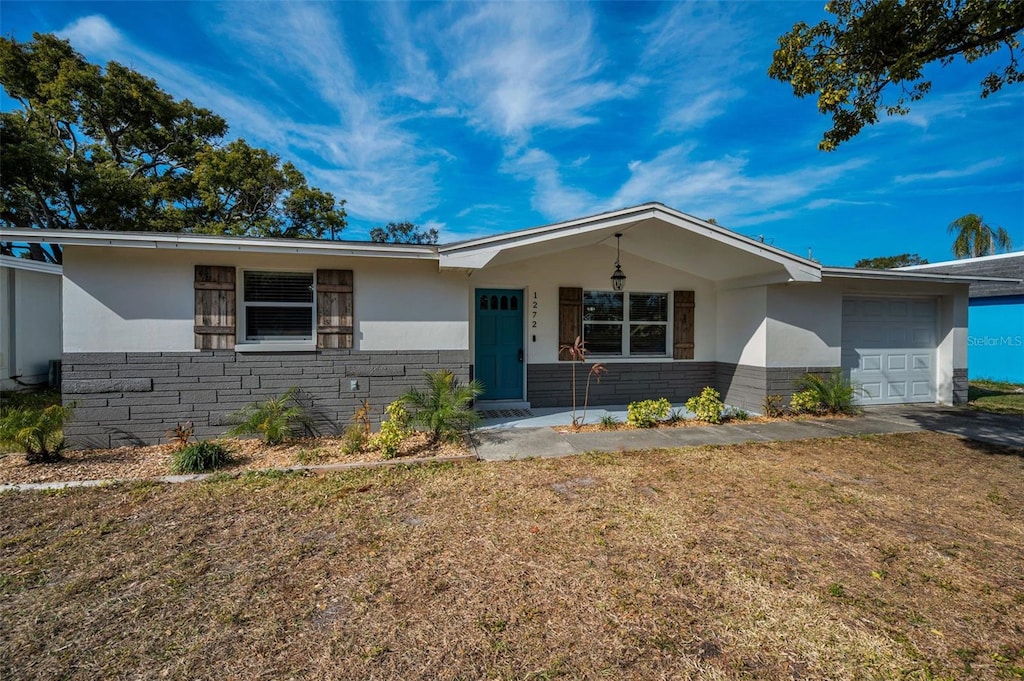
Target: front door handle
(520,354)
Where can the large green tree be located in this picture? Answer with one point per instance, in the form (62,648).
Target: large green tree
(93,147)
(874,47)
(888,262)
(403,233)
(974,238)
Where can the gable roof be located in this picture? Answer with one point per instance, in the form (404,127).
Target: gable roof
(652,231)
(1008,266)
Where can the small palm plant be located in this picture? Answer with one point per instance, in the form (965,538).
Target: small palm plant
(275,420)
(833,394)
(37,432)
(443,409)
(577,353)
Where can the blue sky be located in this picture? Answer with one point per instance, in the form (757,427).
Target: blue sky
(483,118)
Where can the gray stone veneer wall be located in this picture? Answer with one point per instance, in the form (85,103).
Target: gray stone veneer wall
(550,385)
(746,386)
(134,398)
(960,386)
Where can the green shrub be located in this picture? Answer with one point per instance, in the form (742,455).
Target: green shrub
(834,393)
(355,439)
(609,422)
(805,402)
(737,414)
(393,431)
(707,406)
(200,457)
(38,432)
(443,408)
(773,406)
(646,413)
(275,420)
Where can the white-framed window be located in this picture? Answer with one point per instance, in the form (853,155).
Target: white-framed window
(631,324)
(277,306)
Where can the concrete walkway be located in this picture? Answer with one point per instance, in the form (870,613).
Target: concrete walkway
(519,438)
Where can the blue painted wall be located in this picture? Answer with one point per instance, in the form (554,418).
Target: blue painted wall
(995,338)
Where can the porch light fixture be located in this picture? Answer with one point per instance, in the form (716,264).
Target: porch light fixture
(618,277)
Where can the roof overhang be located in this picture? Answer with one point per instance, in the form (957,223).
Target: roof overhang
(30,265)
(653,232)
(903,275)
(200,242)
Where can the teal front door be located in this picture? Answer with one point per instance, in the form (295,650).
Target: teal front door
(499,343)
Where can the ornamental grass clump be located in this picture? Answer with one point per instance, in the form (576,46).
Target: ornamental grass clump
(39,433)
(443,410)
(200,457)
(275,420)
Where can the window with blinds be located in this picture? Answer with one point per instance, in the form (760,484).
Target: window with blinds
(278,306)
(634,324)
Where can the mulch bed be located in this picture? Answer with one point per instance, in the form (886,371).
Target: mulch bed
(152,461)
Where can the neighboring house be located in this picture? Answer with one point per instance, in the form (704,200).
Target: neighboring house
(995,328)
(30,321)
(164,328)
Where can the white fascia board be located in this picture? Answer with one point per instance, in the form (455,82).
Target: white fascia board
(900,275)
(478,252)
(198,242)
(961,261)
(30,265)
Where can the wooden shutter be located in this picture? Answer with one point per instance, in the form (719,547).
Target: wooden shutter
(570,318)
(215,307)
(682,325)
(334,308)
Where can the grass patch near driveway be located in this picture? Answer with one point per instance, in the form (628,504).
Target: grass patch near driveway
(997,397)
(896,556)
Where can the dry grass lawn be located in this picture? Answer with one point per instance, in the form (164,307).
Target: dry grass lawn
(884,557)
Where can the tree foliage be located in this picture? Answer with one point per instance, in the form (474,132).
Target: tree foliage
(403,233)
(974,238)
(872,46)
(95,147)
(888,262)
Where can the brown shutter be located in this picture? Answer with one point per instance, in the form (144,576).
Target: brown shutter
(215,307)
(682,325)
(334,308)
(570,318)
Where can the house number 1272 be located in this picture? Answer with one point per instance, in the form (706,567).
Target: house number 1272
(533,311)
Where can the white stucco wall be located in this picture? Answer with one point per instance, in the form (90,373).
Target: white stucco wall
(30,325)
(590,268)
(140,300)
(742,329)
(804,326)
(805,322)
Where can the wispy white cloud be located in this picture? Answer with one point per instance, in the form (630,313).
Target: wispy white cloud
(951,173)
(517,67)
(695,55)
(551,197)
(366,157)
(818,204)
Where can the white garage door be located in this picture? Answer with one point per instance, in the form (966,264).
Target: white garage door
(889,348)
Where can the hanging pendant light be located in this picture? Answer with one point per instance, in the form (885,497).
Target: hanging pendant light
(618,277)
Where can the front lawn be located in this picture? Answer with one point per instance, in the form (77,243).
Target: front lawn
(883,557)
(997,397)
